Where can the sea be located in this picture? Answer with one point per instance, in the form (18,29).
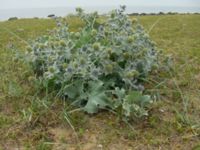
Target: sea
(64,11)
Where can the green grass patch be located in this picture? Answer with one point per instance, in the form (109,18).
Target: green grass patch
(177,35)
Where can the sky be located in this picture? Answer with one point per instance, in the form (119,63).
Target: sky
(18,4)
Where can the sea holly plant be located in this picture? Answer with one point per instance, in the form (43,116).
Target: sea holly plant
(99,67)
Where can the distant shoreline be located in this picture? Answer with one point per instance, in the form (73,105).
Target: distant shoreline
(5,14)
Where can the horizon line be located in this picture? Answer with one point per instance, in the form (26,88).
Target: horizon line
(117,6)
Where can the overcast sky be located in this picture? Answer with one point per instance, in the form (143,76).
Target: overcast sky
(6,4)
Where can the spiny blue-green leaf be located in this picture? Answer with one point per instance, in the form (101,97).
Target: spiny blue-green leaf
(97,98)
(134,104)
(119,96)
(75,89)
(137,98)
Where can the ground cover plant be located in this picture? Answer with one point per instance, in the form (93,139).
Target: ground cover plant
(102,66)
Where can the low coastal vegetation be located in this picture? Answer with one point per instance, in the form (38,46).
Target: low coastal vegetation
(103,66)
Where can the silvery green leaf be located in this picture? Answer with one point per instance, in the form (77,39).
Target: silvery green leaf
(134,104)
(97,98)
(75,89)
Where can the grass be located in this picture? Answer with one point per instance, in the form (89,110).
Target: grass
(33,121)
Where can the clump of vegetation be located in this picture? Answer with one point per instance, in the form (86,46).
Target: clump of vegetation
(12,18)
(100,67)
